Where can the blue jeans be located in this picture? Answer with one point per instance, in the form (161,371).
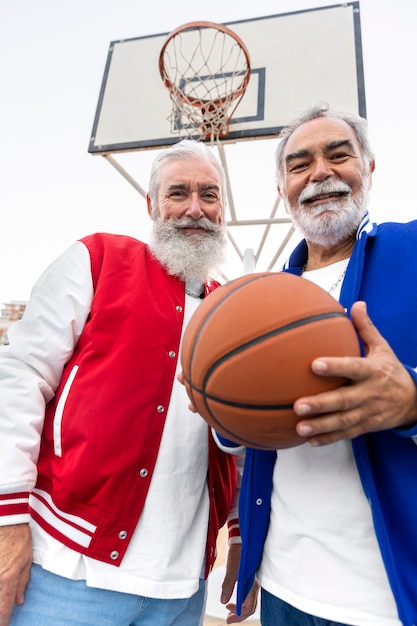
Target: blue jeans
(51,600)
(276,612)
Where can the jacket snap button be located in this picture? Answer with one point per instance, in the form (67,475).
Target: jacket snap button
(171,354)
(122,534)
(143,473)
(160,409)
(179,308)
(259,501)
(114,555)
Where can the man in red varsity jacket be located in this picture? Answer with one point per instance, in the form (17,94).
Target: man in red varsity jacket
(111,491)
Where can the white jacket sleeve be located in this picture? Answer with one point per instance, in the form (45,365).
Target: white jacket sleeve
(31,367)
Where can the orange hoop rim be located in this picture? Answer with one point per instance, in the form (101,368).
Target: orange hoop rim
(194,26)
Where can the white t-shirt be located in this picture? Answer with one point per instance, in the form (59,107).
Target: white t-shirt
(165,557)
(321,554)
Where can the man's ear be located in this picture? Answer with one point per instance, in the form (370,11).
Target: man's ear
(280,195)
(149,205)
(371,170)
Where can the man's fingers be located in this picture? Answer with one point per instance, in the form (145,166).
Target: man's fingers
(365,327)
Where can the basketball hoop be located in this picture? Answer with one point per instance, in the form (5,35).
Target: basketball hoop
(206,68)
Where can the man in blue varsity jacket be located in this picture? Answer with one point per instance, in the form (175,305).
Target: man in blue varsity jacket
(329,527)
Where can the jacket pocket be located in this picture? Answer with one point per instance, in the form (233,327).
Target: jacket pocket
(59,411)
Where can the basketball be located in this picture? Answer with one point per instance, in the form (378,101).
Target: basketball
(247,351)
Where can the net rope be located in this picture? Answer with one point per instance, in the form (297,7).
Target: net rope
(206,71)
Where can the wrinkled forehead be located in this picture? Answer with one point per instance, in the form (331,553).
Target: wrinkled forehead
(190,169)
(318,134)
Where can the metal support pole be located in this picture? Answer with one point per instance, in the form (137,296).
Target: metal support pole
(125,175)
(249,261)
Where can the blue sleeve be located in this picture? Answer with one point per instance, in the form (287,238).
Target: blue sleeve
(226,445)
(412,430)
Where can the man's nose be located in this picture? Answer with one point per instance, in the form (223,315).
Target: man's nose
(194,209)
(321,170)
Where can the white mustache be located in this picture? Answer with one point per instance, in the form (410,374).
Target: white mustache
(327,187)
(202,222)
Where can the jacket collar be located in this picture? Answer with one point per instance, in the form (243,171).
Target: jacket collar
(298,257)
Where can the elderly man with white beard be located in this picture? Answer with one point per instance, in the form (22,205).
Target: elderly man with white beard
(112,491)
(329,527)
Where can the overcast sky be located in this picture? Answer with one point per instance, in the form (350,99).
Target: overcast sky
(52,59)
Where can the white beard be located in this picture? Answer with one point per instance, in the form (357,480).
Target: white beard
(331,222)
(188,256)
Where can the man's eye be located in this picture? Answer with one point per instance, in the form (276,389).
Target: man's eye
(297,166)
(339,156)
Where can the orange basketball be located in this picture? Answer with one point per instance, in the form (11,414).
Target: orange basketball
(247,352)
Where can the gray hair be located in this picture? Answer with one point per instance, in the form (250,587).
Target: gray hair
(358,124)
(183,150)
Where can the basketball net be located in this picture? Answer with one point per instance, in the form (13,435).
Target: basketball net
(206,68)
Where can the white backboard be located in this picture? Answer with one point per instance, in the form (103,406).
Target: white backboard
(297,59)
